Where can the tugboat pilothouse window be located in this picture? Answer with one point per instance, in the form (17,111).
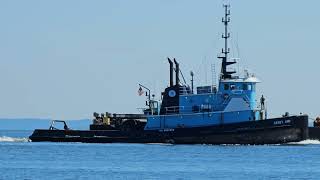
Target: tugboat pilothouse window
(232,86)
(245,87)
(226,86)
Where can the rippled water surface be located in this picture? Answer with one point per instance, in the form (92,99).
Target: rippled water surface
(20,159)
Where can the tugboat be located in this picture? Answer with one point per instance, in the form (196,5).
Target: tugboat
(227,114)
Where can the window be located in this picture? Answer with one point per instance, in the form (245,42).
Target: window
(195,109)
(233,87)
(245,87)
(253,88)
(249,87)
(226,86)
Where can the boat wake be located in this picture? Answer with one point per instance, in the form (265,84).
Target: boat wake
(306,142)
(12,139)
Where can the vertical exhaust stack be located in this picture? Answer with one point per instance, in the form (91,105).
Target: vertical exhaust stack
(171,72)
(177,71)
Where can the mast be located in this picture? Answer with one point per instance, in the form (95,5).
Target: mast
(224,73)
(192,74)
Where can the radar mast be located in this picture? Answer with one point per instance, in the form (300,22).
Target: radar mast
(225,74)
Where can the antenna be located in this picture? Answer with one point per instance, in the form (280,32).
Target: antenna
(226,50)
(191,74)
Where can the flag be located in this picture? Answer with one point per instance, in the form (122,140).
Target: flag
(140,91)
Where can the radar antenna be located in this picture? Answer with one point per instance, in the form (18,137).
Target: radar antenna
(225,51)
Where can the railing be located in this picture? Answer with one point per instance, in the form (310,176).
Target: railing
(184,91)
(148,111)
(189,109)
(187,113)
(173,109)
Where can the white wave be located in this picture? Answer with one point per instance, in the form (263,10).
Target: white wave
(306,142)
(12,139)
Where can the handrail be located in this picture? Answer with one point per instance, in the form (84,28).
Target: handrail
(65,126)
(186,109)
(184,90)
(188,114)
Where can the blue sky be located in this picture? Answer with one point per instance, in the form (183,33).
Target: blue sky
(67,59)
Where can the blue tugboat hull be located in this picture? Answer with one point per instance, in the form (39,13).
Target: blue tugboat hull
(271,131)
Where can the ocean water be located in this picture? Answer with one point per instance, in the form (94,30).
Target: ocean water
(21,159)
